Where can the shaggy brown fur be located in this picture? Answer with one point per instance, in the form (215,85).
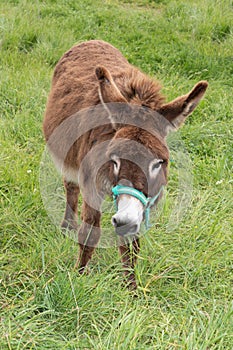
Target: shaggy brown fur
(82,129)
(74,85)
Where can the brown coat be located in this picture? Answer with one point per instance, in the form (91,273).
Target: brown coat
(106,122)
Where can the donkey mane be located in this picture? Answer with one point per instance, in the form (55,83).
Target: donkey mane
(140,89)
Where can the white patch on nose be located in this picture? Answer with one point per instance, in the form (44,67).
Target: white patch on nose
(129,213)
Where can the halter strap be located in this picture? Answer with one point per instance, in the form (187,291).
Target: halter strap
(147,202)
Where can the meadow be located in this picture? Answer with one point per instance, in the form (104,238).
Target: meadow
(185,276)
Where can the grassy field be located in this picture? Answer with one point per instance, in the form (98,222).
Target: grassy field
(185,277)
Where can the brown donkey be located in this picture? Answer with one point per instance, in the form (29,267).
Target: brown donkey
(105,126)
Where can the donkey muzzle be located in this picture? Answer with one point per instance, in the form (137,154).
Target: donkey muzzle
(128,217)
(124,228)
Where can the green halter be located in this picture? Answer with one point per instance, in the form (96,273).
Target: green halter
(147,202)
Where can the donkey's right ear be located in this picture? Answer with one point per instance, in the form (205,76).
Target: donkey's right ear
(111,98)
(108,91)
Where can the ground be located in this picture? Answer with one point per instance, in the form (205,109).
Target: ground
(184,299)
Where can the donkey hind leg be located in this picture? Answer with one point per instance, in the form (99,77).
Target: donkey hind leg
(70,218)
(88,236)
(129,258)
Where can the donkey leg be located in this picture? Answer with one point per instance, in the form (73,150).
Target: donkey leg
(128,259)
(135,250)
(70,218)
(88,236)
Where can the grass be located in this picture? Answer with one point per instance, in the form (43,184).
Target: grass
(185,276)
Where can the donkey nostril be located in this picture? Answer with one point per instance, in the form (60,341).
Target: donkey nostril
(117,222)
(114,222)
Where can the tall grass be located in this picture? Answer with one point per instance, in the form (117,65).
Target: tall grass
(184,299)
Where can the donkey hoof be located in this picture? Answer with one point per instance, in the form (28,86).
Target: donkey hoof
(69,225)
(84,270)
(132,285)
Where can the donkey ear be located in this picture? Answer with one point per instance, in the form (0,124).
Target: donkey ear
(111,98)
(108,91)
(178,110)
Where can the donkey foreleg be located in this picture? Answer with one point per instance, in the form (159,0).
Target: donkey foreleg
(135,250)
(88,236)
(128,258)
(70,217)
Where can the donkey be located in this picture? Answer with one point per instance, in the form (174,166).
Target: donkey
(105,126)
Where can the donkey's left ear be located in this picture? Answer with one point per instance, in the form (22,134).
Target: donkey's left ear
(178,110)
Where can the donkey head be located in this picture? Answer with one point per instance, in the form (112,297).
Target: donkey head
(138,153)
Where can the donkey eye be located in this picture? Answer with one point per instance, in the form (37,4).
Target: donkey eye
(156,166)
(116,164)
(161,161)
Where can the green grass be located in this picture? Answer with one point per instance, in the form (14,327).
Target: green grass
(185,276)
